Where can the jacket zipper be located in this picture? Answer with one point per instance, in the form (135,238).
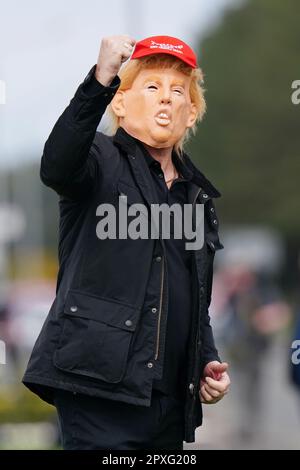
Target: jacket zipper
(193,379)
(160,307)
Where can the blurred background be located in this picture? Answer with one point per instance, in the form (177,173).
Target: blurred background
(248,145)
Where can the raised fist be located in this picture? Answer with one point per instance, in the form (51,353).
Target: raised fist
(114,50)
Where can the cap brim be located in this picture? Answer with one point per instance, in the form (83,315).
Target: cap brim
(141,54)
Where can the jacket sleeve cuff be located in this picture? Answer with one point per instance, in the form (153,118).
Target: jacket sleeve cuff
(91,88)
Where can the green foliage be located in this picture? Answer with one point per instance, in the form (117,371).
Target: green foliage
(17,406)
(249,141)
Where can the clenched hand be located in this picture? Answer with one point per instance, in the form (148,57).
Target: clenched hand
(215,382)
(114,50)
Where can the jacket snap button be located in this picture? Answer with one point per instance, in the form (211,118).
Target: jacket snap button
(149,365)
(191,388)
(212,210)
(215,221)
(154,310)
(128,323)
(158,259)
(205,196)
(73,308)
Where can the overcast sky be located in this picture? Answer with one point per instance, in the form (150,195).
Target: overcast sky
(47,48)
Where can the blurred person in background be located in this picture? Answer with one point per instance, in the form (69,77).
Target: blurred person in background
(295,352)
(295,362)
(120,375)
(10,348)
(249,310)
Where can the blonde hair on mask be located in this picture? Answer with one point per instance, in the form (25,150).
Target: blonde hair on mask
(130,71)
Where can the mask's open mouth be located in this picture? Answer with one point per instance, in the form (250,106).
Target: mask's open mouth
(162,121)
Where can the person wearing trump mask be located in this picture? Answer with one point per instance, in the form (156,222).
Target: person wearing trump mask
(127,353)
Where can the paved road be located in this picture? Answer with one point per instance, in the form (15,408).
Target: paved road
(275,426)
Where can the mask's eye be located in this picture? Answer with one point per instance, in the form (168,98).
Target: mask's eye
(178,91)
(152,87)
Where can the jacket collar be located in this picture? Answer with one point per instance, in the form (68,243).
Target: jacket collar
(130,145)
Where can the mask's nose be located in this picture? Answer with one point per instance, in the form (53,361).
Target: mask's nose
(165,97)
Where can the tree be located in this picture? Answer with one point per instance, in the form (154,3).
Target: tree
(249,141)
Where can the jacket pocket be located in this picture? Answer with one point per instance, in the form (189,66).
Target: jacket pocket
(95,337)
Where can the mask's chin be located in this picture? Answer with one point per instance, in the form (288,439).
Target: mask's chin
(159,138)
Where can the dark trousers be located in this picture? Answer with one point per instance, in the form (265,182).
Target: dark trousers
(102,424)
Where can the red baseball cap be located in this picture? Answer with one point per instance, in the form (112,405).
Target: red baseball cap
(165,45)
